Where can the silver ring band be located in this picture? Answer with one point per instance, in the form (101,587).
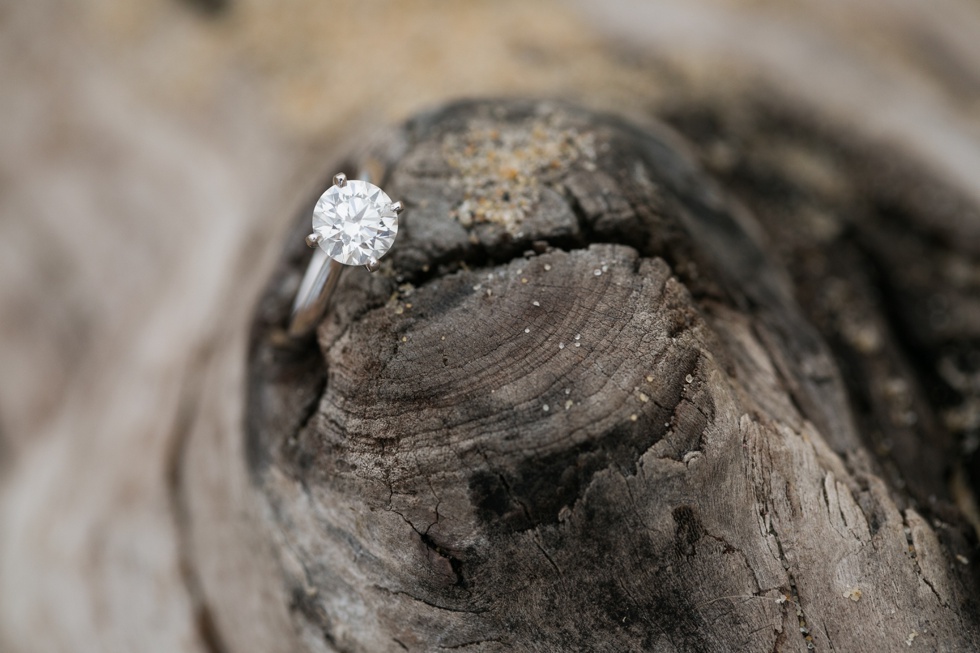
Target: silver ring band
(314,293)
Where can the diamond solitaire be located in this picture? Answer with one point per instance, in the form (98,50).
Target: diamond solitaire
(354,222)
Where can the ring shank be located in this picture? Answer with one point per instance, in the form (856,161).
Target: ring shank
(314,293)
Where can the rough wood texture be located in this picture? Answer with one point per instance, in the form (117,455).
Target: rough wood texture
(580,409)
(153,155)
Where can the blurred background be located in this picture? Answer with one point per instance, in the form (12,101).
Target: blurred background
(152,154)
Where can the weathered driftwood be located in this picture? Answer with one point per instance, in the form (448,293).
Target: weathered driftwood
(153,156)
(580,408)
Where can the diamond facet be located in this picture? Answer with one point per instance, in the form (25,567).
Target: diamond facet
(355,222)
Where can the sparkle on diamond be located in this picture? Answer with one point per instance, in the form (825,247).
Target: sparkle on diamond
(355,222)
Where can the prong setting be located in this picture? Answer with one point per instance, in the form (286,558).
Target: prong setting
(355,222)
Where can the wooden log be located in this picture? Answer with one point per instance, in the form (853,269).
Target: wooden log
(580,408)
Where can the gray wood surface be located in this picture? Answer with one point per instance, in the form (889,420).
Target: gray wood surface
(153,157)
(580,409)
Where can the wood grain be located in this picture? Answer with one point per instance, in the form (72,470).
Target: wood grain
(154,154)
(602,426)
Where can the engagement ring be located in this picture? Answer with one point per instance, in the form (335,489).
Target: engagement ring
(354,223)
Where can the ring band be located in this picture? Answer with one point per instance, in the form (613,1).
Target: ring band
(354,223)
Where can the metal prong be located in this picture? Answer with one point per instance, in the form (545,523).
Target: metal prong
(340,179)
(312,240)
(397,207)
(373,265)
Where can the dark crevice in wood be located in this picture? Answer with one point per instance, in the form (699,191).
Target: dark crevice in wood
(477,642)
(431,604)
(291,365)
(804,627)
(455,563)
(913,556)
(550,560)
(826,634)
(430,543)
(308,414)
(687,530)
